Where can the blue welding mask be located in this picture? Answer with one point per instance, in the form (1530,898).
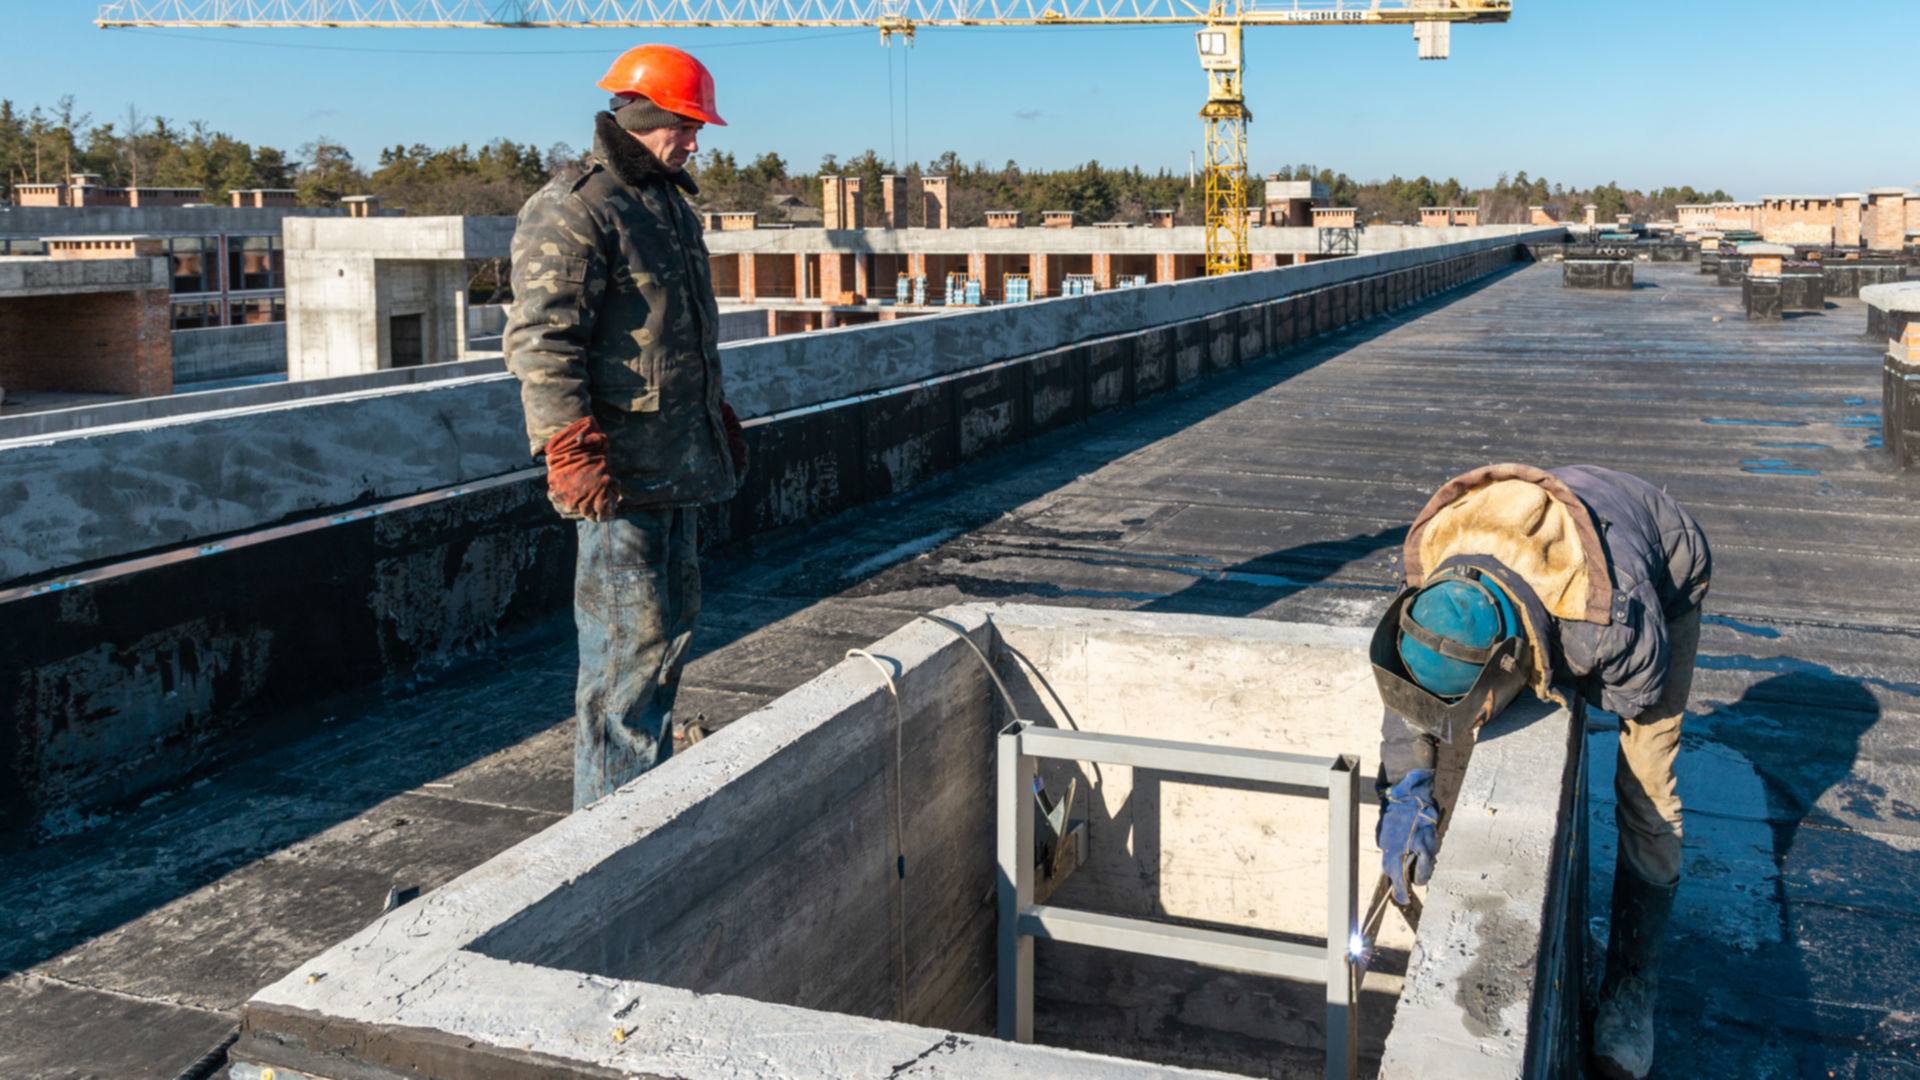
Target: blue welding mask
(1450,654)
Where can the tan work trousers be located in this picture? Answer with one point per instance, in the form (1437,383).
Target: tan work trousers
(1647,802)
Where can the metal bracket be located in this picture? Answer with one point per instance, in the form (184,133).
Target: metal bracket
(1023,918)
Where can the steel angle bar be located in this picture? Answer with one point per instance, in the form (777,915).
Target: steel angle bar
(1021,921)
(1226,762)
(1341,973)
(1256,956)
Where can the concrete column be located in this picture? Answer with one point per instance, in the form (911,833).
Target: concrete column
(748,292)
(1102,270)
(1164,268)
(459,324)
(893,192)
(1046,275)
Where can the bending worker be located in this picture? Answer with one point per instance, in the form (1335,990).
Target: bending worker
(613,335)
(1582,577)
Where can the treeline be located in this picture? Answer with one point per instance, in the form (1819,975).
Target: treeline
(134,150)
(1096,193)
(1092,191)
(1506,202)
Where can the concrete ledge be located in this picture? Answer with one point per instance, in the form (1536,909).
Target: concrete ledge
(736,913)
(1493,988)
(142,412)
(227,352)
(37,275)
(98,494)
(1890,306)
(794,372)
(167,478)
(482,977)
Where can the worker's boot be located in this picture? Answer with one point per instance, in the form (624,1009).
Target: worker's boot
(1623,1027)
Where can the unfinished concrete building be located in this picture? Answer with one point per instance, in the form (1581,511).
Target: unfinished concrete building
(87,319)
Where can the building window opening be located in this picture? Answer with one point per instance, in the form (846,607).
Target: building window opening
(194,266)
(195,316)
(261,310)
(406,340)
(255,262)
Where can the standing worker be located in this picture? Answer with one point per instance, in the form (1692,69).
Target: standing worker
(612,333)
(1584,577)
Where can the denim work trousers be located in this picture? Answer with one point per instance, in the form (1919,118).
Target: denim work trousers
(636,593)
(1646,799)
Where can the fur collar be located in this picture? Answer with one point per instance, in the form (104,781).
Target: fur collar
(631,161)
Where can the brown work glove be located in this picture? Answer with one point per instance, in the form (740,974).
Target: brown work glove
(736,440)
(577,475)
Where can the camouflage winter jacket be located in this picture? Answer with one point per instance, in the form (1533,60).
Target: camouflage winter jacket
(613,312)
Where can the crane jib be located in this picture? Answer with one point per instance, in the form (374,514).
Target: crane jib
(558,14)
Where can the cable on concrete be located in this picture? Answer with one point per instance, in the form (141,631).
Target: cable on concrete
(899,837)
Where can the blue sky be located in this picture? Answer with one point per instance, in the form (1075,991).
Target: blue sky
(1756,96)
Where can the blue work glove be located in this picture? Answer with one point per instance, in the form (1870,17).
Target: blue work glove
(1407,838)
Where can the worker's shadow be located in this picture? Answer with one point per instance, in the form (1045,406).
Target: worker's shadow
(1250,586)
(1785,904)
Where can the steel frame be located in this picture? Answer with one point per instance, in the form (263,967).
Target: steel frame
(882,14)
(1022,921)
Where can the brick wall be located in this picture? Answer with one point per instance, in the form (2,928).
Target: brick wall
(104,247)
(933,193)
(1846,223)
(107,343)
(1885,225)
(1797,221)
(893,196)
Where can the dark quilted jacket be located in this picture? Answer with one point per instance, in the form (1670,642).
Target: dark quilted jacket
(1660,565)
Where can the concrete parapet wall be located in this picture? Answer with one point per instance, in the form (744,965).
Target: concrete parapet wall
(36,222)
(737,912)
(1493,991)
(606,928)
(796,372)
(28,426)
(111,492)
(1893,316)
(462,430)
(229,352)
(1184,239)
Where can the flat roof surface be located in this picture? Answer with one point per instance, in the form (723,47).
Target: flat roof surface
(1273,492)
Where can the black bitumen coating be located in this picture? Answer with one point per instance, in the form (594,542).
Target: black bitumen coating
(1273,492)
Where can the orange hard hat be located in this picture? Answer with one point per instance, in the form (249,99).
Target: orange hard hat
(668,77)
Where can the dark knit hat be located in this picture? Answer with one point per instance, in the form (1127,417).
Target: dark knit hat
(636,112)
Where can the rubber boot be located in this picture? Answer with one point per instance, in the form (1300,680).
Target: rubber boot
(1623,1026)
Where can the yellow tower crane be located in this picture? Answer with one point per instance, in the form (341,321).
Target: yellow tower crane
(1222,21)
